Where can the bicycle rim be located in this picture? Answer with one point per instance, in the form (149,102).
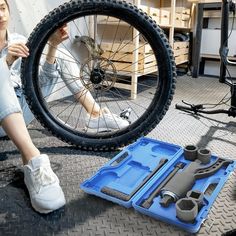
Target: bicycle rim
(123,59)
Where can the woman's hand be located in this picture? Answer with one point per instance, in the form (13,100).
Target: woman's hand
(59,36)
(15,51)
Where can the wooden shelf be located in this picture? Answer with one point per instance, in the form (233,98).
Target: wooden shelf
(183,28)
(170,15)
(165,26)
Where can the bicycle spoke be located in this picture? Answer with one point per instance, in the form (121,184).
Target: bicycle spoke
(105,68)
(76,26)
(100,44)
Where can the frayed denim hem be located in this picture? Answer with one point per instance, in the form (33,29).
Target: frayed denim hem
(9,111)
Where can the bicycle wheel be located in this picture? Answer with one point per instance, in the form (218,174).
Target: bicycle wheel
(123,59)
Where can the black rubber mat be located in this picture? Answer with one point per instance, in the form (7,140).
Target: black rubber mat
(89,215)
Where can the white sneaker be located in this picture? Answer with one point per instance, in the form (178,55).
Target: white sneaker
(45,192)
(107,121)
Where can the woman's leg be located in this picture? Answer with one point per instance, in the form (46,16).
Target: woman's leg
(45,192)
(14,126)
(99,119)
(11,117)
(70,74)
(26,112)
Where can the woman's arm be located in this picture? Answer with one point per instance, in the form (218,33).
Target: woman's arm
(49,69)
(58,37)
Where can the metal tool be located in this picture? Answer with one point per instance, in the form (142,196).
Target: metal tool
(184,180)
(126,197)
(187,208)
(148,202)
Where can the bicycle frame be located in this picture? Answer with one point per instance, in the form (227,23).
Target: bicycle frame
(227,6)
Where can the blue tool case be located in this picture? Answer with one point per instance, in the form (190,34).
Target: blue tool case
(133,176)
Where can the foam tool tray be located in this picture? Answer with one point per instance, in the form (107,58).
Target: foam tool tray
(132,176)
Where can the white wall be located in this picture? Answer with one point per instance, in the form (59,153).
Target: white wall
(213,68)
(25,14)
(211,43)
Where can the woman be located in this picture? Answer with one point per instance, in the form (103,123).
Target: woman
(45,192)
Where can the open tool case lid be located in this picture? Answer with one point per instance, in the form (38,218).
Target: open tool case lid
(132,175)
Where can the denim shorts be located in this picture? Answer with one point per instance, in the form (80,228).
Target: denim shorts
(12,100)
(8,99)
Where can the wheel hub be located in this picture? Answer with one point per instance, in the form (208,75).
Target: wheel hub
(103,76)
(97,76)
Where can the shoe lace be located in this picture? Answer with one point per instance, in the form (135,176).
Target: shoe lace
(43,177)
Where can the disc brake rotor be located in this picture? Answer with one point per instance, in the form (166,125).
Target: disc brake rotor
(98,73)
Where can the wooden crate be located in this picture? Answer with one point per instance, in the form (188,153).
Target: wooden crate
(183,10)
(181,52)
(178,20)
(110,20)
(182,18)
(160,15)
(122,56)
(181,59)
(180,45)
